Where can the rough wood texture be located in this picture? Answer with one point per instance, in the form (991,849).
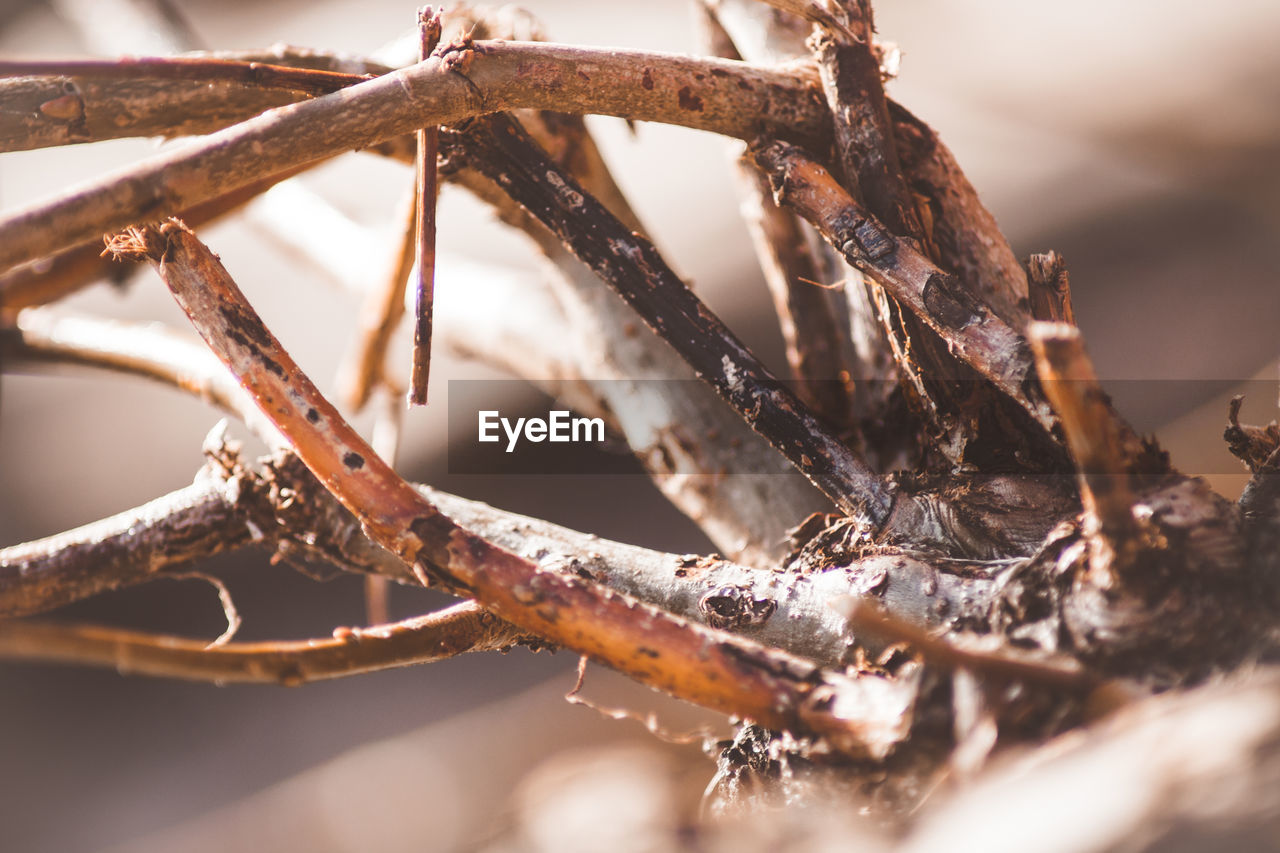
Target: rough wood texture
(631,265)
(733,98)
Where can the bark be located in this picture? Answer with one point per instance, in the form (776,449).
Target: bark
(733,98)
(634,269)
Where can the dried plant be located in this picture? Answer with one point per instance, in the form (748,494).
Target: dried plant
(1030,567)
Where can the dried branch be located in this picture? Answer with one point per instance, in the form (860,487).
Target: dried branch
(437,636)
(126,549)
(978,337)
(732,98)
(1102,446)
(381,312)
(203,69)
(49,279)
(701,665)
(499,148)
(425,234)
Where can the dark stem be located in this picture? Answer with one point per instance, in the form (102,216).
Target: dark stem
(499,148)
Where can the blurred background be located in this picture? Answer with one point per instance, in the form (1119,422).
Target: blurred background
(1139,139)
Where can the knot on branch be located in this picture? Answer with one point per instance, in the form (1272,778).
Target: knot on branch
(142,242)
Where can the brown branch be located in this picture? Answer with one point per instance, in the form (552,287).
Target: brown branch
(1103,447)
(204,70)
(979,338)
(123,550)
(70,270)
(99,103)
(732,98)
(380,314)
(611,365)
(499,148)
(425,234)
(351,651)
(701,665)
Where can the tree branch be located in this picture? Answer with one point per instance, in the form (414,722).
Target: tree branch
(732,98)
(499,148)
(703,457)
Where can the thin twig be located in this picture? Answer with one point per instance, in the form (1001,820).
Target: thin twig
(351,651)
(200,69)
(1103,447)
(1004,664)
(499,148)
(380,314)
(425,234)
(139,349)
(731,97)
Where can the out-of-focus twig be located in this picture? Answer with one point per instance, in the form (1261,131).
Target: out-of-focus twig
(462,628)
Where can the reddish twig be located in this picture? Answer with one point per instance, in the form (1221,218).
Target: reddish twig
(425,236)
(351,651)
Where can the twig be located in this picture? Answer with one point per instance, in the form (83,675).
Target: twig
(978,337)
(381,312)
(1102,446)
(702,665)
(732,98)
(1004,665)
(351,651)
(140,349)
(126,549)
(631,265)
(425,235)
(613,366)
